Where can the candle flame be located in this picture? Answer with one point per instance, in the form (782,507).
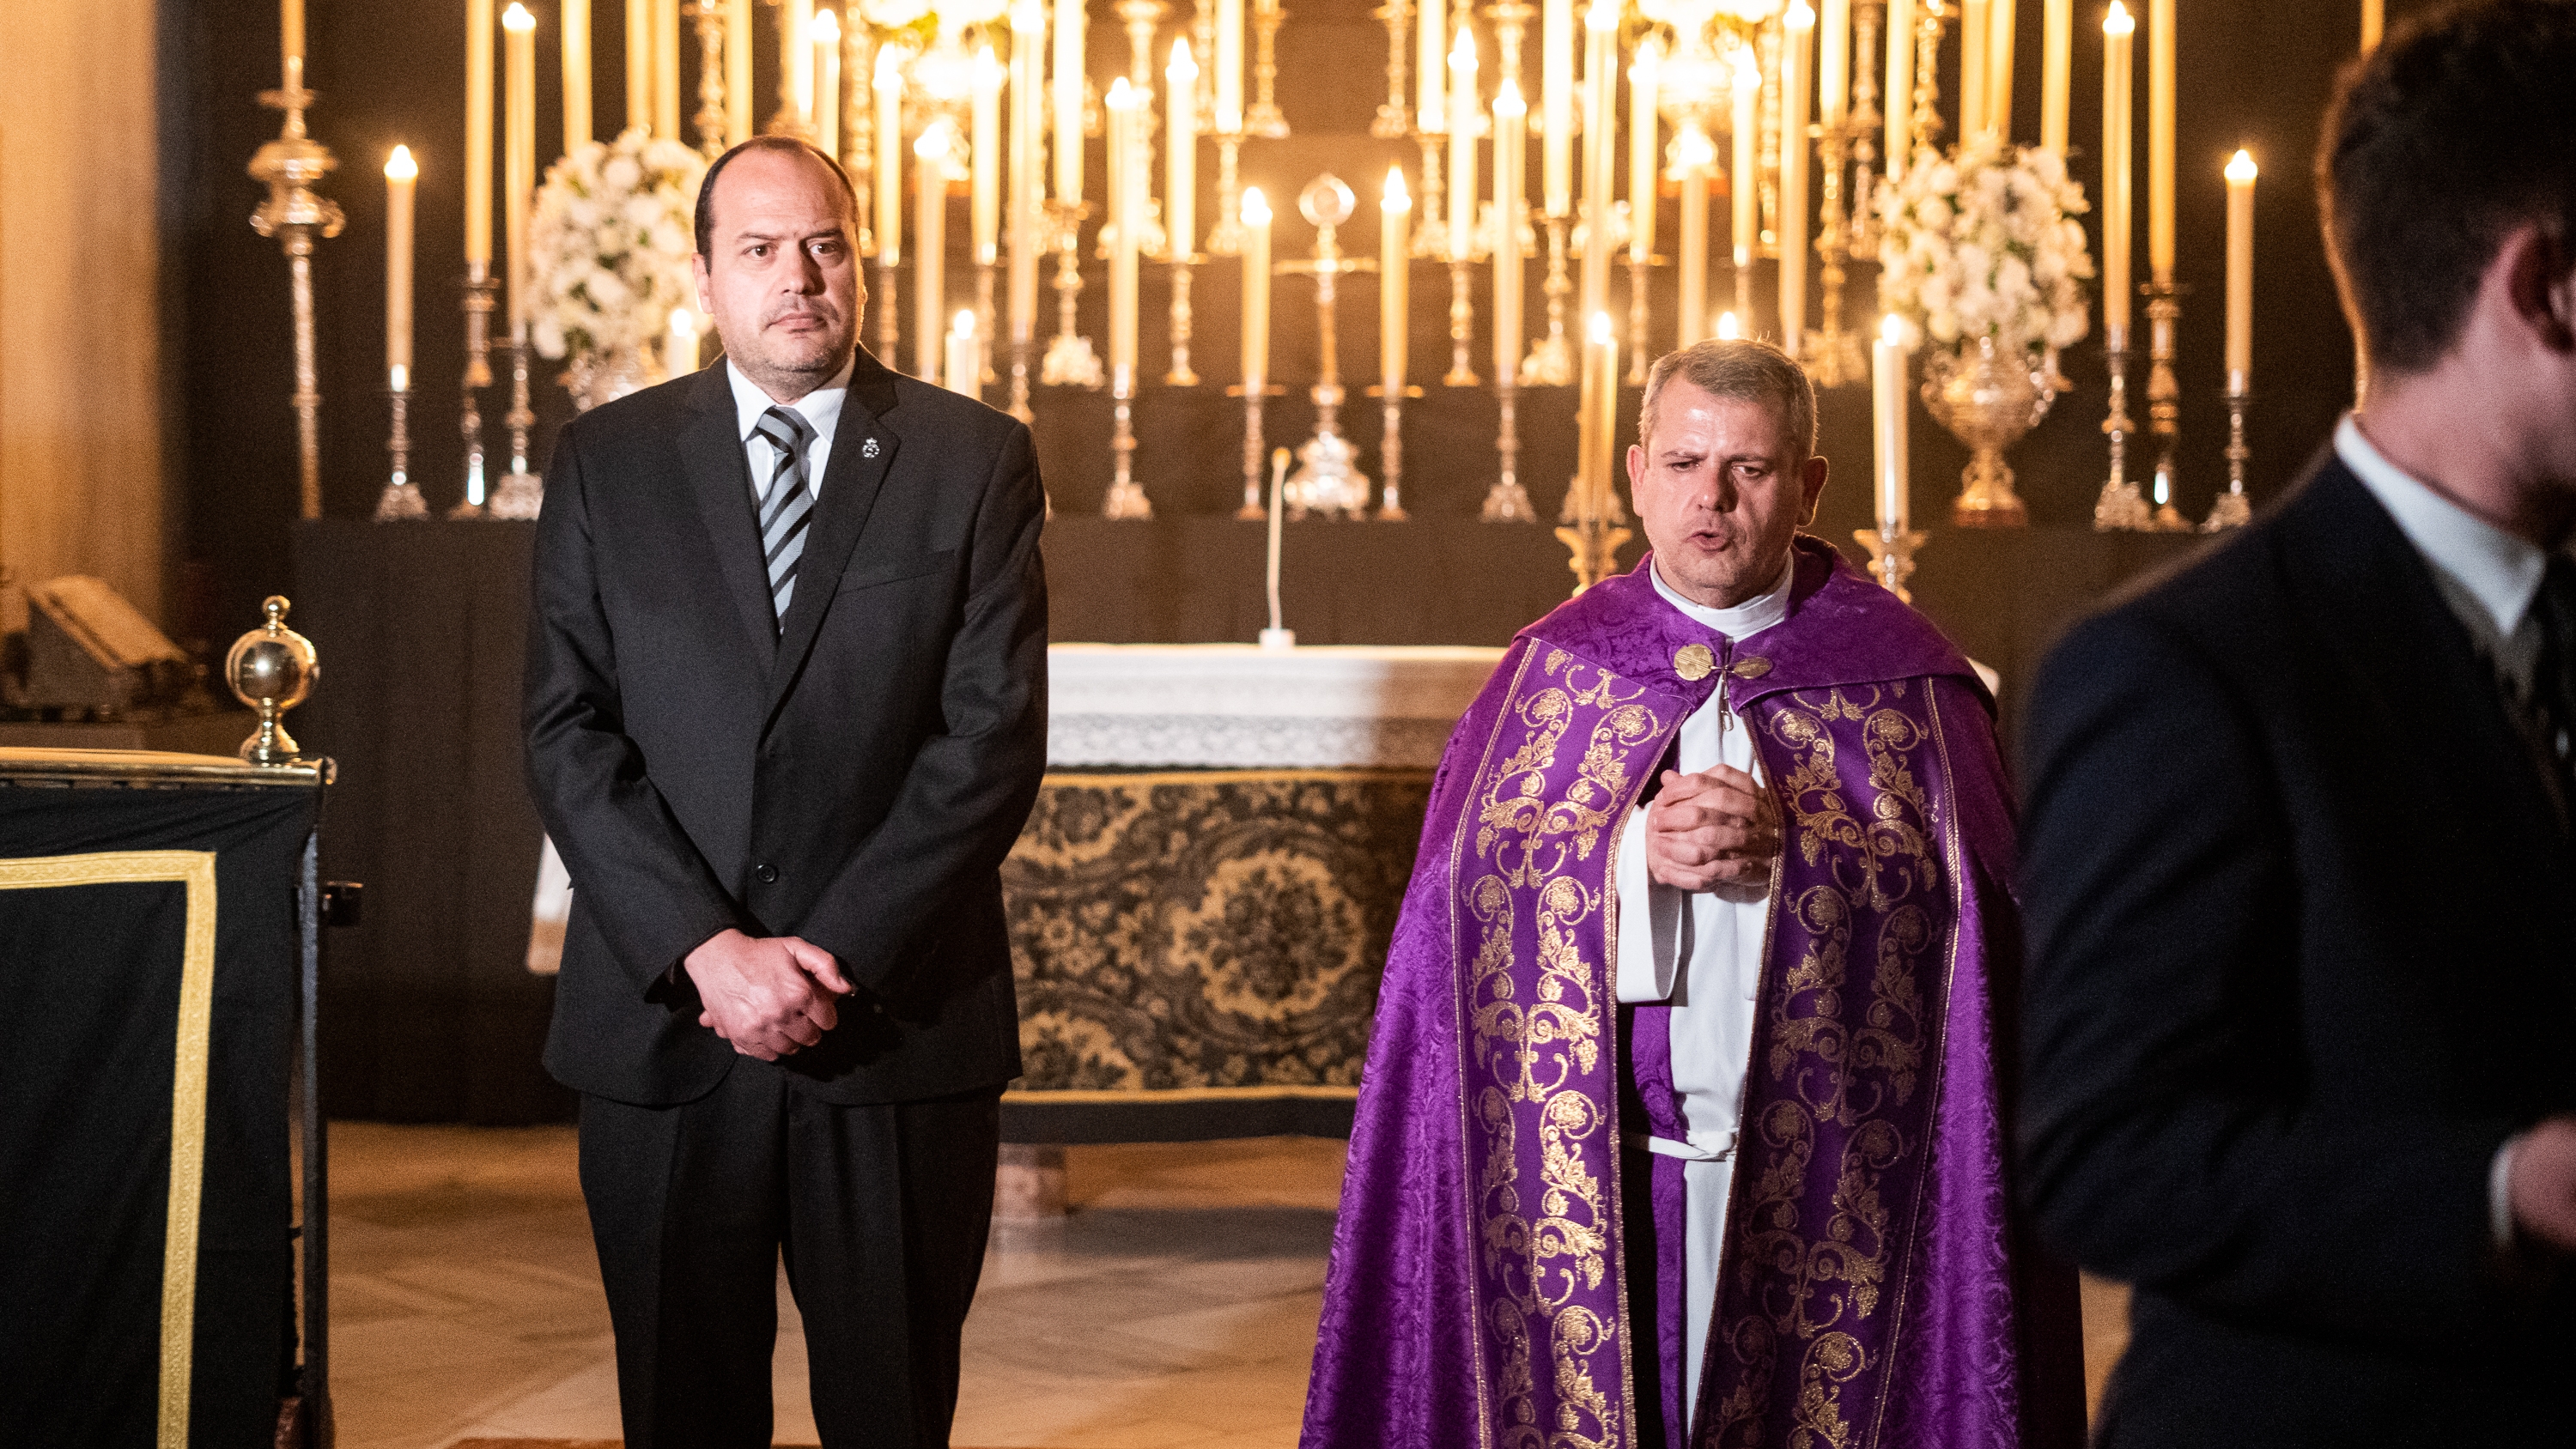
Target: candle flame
(2240,167)
(1728,329)
(1509,99)
(400,167)
(1800,17)
(1891,330)
(964,324)
(933,145)
(1462,56)
(1120,96)
(824,28)
(1600,327)
(1695,151)
(402,379)
(890,67)
(988,69)
(1396,198)
(1256,208)
(1650,58)
(1748,71)
(517,17)
(1183,67)
(1604,15)
(2118,22)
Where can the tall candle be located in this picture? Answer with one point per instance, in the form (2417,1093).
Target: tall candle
(1462,146)
(985,152)
(2160,138)
(796,56)
(1644,151)
(1395,217)
(1126,192)
(666,68)
(1432,95)
(1068,100)
(827,95)
(639,64)
(1511,203)
(1833,61)
(737,61)
(1973,55)
(1743,185)
(2240,269)
(1028,144)
(680,343)
(290,40)
(888,183)
(1181,152)
(1600,148)
(2374,17)
(1799,36)
(965,369)
(2117,224)
(478,133)
(1899,90)
(1696,157)
(2056,72)
(1556,105)
(1597,423)
(1256,291)
(518,148)
(576,75)
(1999,68)
(929,246)
(1229,66)
(401,178)
(1887,396)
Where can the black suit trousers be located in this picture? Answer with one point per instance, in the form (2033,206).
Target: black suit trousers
(881,1211)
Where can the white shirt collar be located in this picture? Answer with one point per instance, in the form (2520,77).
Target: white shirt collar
(1744,620)
(2495,568)
(820,408)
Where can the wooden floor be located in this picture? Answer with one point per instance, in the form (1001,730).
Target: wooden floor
(1175,1309)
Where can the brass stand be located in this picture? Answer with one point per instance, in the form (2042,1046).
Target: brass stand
(479,288)
(1394,119)
(290,167)
(710,119)
(1263,117)
(1462,327)
(1640,356)
(1069,361)
(984,375)
(1891,555)
(1866,123)
(1551,358)
(1507,501)
(1141,16)
(2121,508)
(1181,374)
(1126,498)
(1431,218)
(1832,355)
(1391,454)
(1254,449)
(1924,128)
(1328,479)
(521,493)
(1225,239)
(401,500)
(2233,510)
(2164,396)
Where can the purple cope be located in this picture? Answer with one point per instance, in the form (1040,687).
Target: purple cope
(1504,1274)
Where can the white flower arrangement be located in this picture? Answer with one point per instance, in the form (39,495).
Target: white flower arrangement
(609,246)
(1983,242)
(919,20)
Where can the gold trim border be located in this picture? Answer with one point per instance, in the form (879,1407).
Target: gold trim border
(195,870)
(1099,1096)
(1358,774)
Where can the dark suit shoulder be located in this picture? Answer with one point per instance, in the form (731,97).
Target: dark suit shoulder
(959,420)
(647,412)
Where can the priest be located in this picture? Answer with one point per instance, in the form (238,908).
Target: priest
(1684,1120)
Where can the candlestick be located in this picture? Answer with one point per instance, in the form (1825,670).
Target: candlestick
(1592,511)
(1891,545)
(2240,269)
(1799,36)
(2121,507)
(1768,55)
(1923,130)
(1696,155)
(710,117)
(2232,509)
(1069,360)
(2160,138)
(1276,636)
(1394,118)
(1327,479)
(2164,394)
(1832,355)
(738,99)
(930,248)
(1431,229)
(1900,88)
(401,498)
(1265,119)
(520,493)
(1861,123)
(1742,187)
(1028,194)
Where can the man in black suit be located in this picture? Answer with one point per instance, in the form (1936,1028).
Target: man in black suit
(786,711)
(2298,872)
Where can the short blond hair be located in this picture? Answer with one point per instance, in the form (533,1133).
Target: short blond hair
(1751,371)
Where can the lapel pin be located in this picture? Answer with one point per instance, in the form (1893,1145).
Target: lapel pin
(868,449)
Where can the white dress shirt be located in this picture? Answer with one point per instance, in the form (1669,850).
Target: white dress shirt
(821,410)
(2489,578)
(1701,951)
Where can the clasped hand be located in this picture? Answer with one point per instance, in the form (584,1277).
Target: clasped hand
(1715,827)
(767,995)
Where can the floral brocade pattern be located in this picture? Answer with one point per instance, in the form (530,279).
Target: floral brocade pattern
(1228,930)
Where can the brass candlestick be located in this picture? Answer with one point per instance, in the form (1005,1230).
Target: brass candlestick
(1394,119)
(1834,356)
(2121,508)
(1507,501)
(1551,358)
(2164,395)
(1923,130)
(401,499)
(1462,326)
(1069,360)
(1181,374)
(291,166)
(1391,452)
(1640,356)
(1141,16)
(271,669)
(1264,118)
(1328,479)
(479,288)
(1126,498)
(1891,555)
(2233,510)
(1225,239)
(1766,50)
(710,119)
(1431,219)
(888,307)
(1866,123)
(1254,450)
(521,493)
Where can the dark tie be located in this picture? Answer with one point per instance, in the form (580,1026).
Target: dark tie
(2553,684)
(787,504)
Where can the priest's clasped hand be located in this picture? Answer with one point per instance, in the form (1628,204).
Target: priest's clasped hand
(766,995)
(1718,827)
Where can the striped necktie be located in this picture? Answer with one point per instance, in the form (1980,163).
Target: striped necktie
(787,504)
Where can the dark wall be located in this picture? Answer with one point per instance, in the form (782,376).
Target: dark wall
(2251,74)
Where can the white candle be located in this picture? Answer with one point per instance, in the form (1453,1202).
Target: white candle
(401,178)
(1600,149)
(1068,100)
(2056,73)
(1462,146)
(1229,67)
(1999,69)
(1126,190)
(737,60)
(2240,269)
(1744,186)
(1833,61)
(1800,36)
(680,343)
(518,149)
(2374,18)
(1556,105)
(1644,150)
(1395,215)
(1887,394)
(965,359)
(1028,148)
(639,62)
(1431,32)
(796,56)
(666,68)
(1696,157)
(2160,138)
(290,37)
(1256,291)
(986,144)
(827,96)
(1899,91)
(888,181)
(576,74)
(2117,225)
(1973,56)
(478,133)
(1511,203)
(1180,155)
(929,247)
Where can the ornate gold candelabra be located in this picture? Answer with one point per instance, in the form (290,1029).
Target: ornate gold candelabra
(1069,360)
(1640,357)
(2164,396)
(520,493)
(1328,479)
(1833,355)
(1891,555)
(2233,510)
(1264,118)
(1866,123)
(1766,50)
(401,500)
(1181,374)
(1394,118)
(1507,501)
(1391,452)
(1225,239)
(1126,498)
(290,167)
(1254,448)
(477,303)
(1462,325)
(1431,224)
(1924,129)
(1551,358)
(710,119)
(2121,508)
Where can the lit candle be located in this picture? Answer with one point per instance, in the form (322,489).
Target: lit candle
(2160,138)
(518,148)
(1597,426)
(1743,186)
(796,57)
(478,134)
(2374,18)
(965,359)
(1644,147)
(1462,146)
(1395,214)
(737,60)
(1256,291)
(576,75)
(666,68)
(827,96)
(1800,27)
(1696,156)
(1431,90)
(1899,90)
(1973,17)
(1600,149)
(2117,225)
(680,343)
(1556,105)
(1126,191)
(888,182)
(1068,100)
(401,178)
(639,63)
(2240,269)
(1999,69)
(1180,155)
(2056,73)
(985,141)
(929,246)
(1833,61)
(1028,146)
(1728,328)
(1511,203)
(1229,67)
(1887,394)
(290,41)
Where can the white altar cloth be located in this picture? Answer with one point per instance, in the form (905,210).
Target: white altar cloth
(1238,706)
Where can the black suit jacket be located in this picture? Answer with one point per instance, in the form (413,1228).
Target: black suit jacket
(2303,955)
(854,780)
